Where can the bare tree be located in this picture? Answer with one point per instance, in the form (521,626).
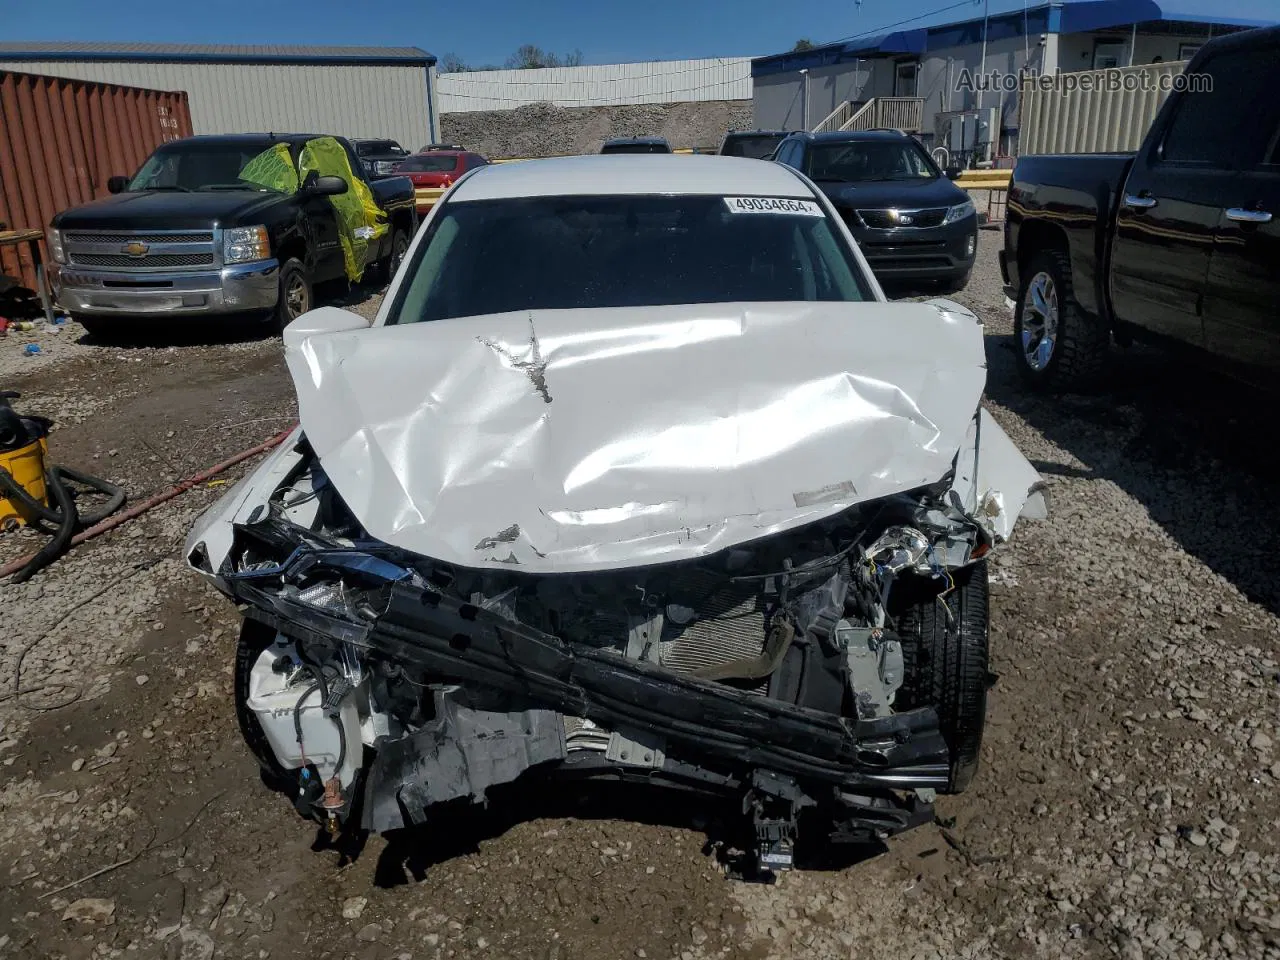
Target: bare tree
(452,63)
(531,57)
(528,57)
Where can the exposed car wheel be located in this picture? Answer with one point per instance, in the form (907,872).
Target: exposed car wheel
(944,647)
(399,247)
(254,638)
(1058,346)
(295,294)
(388,265)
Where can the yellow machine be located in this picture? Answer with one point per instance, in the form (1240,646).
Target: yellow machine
(23,450)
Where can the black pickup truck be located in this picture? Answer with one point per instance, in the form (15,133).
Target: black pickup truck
(1177,244)
(216,225)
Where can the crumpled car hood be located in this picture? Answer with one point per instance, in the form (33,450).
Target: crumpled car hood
(575,440)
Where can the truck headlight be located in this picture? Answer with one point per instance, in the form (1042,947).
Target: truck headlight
(960,211)
(54,240)
(245,244)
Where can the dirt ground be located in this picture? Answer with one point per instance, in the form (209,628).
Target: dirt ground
(1126,804)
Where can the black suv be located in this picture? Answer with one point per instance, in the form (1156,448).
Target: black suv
(910,220)
(379,157)
(636,145)
(755,144)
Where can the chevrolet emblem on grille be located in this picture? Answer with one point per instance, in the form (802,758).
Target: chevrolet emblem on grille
(136,249)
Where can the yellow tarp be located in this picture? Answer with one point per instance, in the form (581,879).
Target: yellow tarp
(273,169)
(358,214)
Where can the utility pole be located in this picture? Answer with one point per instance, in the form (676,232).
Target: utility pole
(804,111)
(982,71)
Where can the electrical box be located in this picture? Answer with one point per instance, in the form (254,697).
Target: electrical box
(971,134)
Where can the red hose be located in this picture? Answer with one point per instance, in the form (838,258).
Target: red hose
(140,508)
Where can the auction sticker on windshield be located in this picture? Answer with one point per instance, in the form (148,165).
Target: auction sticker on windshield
(783,205)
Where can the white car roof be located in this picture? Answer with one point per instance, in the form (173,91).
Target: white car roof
(615,174)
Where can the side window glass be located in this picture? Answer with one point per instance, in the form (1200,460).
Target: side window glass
(1214,124)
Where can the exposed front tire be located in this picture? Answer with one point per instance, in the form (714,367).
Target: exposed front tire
(296,294)
(945,654)
(1057,344)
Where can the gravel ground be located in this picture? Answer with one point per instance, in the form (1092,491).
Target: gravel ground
(1125,806)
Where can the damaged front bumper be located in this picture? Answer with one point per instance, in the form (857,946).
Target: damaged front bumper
(723,732)
(378,684)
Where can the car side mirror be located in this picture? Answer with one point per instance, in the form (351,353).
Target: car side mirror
(327,186)
(953,173)
(320,321)
(117,184)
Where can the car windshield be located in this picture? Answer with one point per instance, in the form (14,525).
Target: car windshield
(635,148)
(756,148)
(197,167)
(625,251)
(372,148)
(434,163)
(863,160)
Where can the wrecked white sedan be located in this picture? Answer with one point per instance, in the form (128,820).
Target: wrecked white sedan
(635,475)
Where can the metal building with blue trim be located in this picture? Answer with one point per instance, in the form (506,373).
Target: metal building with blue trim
(913,77)
(356,92)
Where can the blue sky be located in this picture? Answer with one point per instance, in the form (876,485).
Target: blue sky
(606,31)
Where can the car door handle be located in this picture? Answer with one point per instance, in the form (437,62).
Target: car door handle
(1139,203)
(1248,216)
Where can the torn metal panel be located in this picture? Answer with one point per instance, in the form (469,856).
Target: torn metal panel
(458,755)
(627,437)
(211,535)
(994,482)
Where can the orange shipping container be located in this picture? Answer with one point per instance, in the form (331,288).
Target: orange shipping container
(60,140)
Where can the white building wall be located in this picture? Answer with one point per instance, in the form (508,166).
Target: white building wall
(941,72)
(778,99)
(345,100)
(615,84)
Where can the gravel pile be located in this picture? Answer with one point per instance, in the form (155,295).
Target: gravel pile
(546,130)
(1125,806)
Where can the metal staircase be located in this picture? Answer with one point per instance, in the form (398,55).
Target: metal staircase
(899,113)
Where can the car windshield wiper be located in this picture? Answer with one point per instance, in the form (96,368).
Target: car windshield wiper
(171,186)
(233,186)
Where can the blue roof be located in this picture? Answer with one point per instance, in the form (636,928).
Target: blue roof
(210,53)
(861,48)
(1040,16)
(1081,15)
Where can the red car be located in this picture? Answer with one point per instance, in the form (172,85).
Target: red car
(438,168)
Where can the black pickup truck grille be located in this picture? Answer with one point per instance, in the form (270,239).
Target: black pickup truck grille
(159,260)
(144,251)
(83,236)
